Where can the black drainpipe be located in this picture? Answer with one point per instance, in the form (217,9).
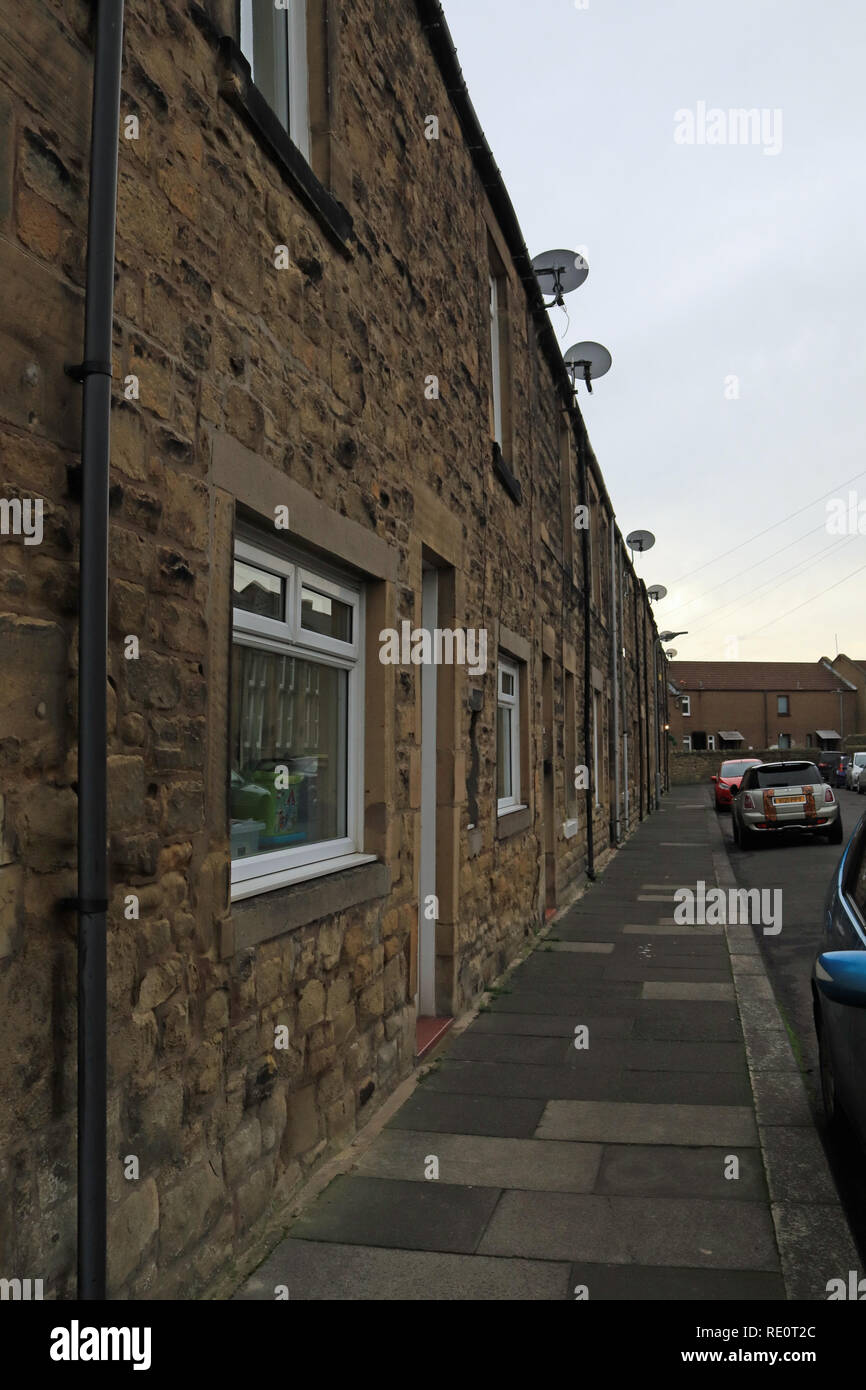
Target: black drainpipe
(638,637)
(94,373)
(587,661)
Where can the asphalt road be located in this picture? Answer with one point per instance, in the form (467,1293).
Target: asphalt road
(802,867)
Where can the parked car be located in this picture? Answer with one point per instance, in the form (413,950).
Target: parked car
(827,762)
(853,773)
(841,770)
(727,781)
(785,796)
(839,989)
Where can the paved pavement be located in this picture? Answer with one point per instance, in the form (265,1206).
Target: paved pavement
(673,1157)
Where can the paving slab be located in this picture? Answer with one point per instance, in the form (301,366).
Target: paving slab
(474,1045)
(664,1170)
(640,1123)
(402,1215)
(588,1078)
(593,947)
(687,989)
(545,1025)
(642,1230)
(477,1160)
(656,1284)
(500,1116)
(693,1022)
(315,1272)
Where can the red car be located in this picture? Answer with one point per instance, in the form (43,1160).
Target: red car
(727,784)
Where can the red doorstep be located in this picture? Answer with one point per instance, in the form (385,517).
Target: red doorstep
(429,1031)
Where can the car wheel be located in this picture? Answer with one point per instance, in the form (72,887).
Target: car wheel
(828,1079)
(836,832)
(748,839)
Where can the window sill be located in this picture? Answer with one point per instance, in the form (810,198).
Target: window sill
(513,821)
(239,90)
(307,895)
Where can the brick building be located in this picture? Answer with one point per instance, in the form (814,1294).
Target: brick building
(338,407)
(739,705)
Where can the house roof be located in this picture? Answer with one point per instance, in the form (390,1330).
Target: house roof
(781,676)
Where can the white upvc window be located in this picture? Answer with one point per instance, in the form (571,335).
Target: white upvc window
(686,705)
(687,743)
(496,360)
(297,720)
(711,743)
(508,737)
(274,42)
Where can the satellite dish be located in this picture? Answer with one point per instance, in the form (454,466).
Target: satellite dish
(640,540)
(657,592)
(671,653)
(588,361)
(559,272)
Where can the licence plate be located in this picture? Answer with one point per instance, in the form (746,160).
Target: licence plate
(789,800)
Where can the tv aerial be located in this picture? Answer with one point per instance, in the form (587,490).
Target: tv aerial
(558,273)
(640,541)
(587,361)
(656,593)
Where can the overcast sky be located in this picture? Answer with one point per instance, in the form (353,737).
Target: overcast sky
(707,262)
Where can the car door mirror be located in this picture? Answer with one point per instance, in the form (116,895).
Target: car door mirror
(841,976)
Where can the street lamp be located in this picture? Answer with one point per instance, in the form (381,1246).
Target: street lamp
(669,636)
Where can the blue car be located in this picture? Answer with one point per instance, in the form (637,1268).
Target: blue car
(839,990)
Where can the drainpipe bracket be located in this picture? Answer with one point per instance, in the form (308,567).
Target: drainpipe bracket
(90,906)
(79,371)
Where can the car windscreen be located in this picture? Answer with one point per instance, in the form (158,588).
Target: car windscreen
(734,769)
(791,775)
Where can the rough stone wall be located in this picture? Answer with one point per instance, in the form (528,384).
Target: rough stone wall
(317,370)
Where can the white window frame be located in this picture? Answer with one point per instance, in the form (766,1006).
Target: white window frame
(261,873)
(291,48)
(496,360)
(511,702)
(711,743)
(686,706)
(687,743)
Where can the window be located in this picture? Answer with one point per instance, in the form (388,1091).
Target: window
(783,706)
(687,743)
(274,42)
(297,703)
(686,705)
(711,743)
(508,737)
(784,739)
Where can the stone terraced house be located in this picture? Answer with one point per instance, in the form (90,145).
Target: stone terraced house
(339,417)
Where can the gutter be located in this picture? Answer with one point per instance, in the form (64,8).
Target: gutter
(94,373)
